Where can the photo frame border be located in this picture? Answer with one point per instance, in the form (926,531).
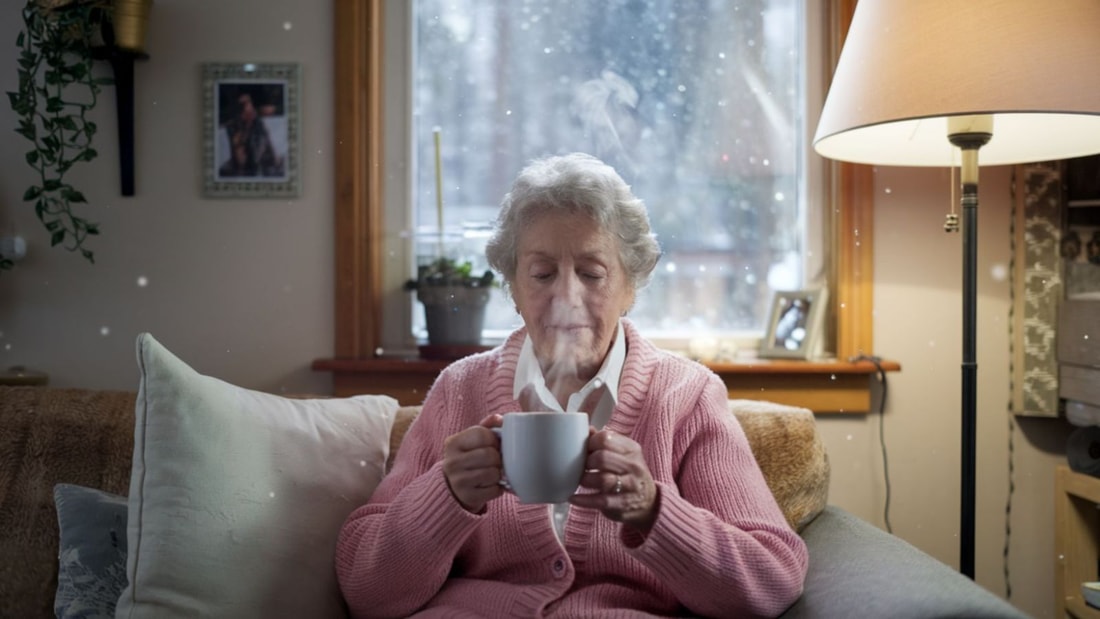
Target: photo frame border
(811,347)
(212,74)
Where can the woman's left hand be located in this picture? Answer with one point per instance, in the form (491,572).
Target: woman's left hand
(624,489)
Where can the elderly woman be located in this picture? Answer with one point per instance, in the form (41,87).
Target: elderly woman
(673,516)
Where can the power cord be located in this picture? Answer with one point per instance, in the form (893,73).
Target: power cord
(881,375)
(1011,386)
(1008,503)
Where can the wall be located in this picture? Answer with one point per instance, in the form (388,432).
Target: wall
(242,289)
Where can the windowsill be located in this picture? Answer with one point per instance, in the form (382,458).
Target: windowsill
(826,386)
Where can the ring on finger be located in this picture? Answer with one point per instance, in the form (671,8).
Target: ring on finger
(618,485)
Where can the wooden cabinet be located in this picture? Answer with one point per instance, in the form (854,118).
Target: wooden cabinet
(1079,352)
(1076,539)
(1079,314)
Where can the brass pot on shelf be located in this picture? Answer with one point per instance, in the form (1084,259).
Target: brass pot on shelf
(131,20)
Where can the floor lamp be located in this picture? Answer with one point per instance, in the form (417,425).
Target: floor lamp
(935,82)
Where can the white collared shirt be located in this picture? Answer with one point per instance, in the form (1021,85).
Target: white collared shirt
(529,379)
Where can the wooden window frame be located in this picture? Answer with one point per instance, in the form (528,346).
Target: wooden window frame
(358,119)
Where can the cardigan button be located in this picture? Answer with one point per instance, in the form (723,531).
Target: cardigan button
(559,567)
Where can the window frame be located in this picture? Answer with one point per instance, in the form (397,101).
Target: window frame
(359,197)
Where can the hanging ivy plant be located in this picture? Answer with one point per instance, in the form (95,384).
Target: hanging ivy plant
(57,90)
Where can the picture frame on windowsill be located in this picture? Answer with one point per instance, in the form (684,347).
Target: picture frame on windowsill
(795,324)
(250,130)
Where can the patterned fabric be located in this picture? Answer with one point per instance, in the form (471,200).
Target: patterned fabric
(1036,290)
(92,558)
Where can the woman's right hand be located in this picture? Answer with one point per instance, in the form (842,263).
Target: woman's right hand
(472,464)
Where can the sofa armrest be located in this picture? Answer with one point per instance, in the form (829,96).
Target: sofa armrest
(858,570)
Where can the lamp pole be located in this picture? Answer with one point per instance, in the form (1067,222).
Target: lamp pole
(972,133)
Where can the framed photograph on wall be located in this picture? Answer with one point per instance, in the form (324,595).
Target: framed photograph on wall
(795,324)
(250,130)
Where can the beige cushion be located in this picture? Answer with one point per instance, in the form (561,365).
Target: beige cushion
(791,455)
(236,496)
(784,440)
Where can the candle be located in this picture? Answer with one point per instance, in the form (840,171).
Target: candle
(436,133)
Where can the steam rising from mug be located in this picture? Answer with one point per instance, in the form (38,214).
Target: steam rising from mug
(562,370)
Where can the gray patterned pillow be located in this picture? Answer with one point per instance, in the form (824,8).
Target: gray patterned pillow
(92,552)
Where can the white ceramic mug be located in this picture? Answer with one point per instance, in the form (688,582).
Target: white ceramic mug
(543,454)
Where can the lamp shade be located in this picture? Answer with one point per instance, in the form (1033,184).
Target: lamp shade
(907,66)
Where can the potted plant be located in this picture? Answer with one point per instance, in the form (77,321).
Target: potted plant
(454,300)
(59,44)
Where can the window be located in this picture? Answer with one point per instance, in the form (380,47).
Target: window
(698,105)
(372,250)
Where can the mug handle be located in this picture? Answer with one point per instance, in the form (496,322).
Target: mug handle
(503,483)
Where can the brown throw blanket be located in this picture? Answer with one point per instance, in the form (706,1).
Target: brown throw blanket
(49,436)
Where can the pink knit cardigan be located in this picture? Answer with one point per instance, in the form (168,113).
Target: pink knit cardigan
(720,546)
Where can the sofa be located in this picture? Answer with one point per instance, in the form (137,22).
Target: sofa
(194,497)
